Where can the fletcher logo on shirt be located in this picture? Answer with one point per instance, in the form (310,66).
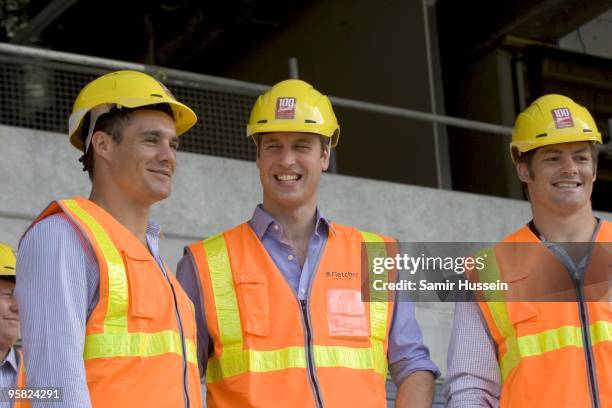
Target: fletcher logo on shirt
(341,275)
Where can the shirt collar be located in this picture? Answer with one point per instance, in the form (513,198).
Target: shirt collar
(261,222)
(153,229)
(11,358)
(542,238)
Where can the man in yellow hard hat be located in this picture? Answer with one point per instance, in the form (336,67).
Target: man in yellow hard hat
(278,298)
(11,361)
(522,351)
(102,315)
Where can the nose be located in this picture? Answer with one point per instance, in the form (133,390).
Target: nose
(13,307)
(569,166)
(166,153)
(287,158)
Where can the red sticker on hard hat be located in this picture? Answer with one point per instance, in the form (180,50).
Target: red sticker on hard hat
(562,118)
(285,108)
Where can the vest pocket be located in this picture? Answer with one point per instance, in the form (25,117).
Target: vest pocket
(252,289)
(524,317)
(144,297)
(346,315)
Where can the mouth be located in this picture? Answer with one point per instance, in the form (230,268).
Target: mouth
(161,172)
(567,185)
(287,178)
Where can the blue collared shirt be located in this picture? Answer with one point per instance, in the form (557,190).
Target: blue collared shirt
(406,352)
(9,368)
(57,289)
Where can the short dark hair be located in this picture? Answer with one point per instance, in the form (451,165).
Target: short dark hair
(325,141)
(113,123)
(527,159)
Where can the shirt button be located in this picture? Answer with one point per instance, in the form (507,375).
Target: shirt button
(302,290)
(290,257)
(275,227)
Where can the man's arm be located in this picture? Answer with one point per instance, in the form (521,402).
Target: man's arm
(416,390)
(473,372)
(54,294)
(187,277)
(411,368)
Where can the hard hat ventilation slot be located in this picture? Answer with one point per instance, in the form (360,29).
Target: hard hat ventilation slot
(263,121)
(9,267)
(587,130)
(542,135)
(157,95)
(310,121)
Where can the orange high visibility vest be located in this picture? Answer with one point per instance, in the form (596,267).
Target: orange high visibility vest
(134,353)
(270,349)
(541,345)
(21,381)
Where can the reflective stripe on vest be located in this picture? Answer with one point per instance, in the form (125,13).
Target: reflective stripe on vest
(116,341)
(234,360)
(546,341)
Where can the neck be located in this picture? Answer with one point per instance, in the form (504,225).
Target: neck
(574,227)
(298,222)
(132,215)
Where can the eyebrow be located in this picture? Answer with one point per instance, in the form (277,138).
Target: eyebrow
(557,151)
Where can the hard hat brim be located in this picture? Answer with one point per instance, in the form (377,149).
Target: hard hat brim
(332,132)
(184,117)
(519,147)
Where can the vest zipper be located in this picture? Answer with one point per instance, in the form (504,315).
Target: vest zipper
(586,340)
(309,358)
(180,324)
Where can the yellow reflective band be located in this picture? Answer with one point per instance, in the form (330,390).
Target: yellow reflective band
(490,274)
(231,364)
(499,313)
(238,362)
(600,331)
(376,248)
(379,307)
(551,340)
(105,345)
(348,357)
(224,293)
(115,320)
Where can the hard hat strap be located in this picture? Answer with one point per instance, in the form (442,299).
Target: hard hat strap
(94,115)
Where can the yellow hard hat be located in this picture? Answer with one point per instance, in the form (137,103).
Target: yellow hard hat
(549,120)
(294,106)
(7,261)
(130,89)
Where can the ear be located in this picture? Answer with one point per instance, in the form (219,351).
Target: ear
(325,157)
(594,172)
(102,144)
(523,172)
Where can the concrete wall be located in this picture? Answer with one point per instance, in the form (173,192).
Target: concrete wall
(212,194)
